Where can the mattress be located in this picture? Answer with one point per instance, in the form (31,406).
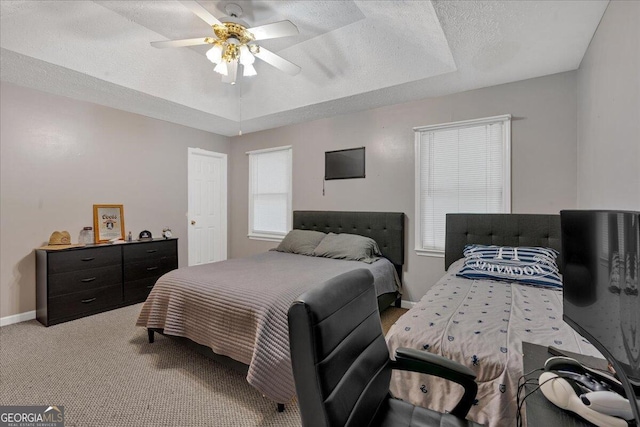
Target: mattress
(238,308)
(480,324)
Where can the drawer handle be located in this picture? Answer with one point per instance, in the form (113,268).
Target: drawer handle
(88,259)
(151,268)
(150,287)
(88,279)
(150,251)
(87,301)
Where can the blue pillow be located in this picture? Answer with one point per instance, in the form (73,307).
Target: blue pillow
(529,265)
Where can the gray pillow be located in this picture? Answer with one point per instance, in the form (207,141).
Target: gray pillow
(301,242)
(348,246)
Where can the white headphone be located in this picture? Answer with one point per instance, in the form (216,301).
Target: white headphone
(602,408)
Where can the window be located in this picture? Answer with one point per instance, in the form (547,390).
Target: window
(270,193)
(460,167)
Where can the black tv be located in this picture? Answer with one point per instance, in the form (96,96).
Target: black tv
(344,164)
(601,257)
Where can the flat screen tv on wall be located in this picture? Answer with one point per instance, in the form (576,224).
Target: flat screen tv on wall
(344,164)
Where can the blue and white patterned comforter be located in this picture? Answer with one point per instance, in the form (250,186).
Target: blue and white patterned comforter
(480,324)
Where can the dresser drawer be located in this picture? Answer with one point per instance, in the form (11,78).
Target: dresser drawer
(82,280)
(81,259)
(84,302)
(149,268)
(145,251)
(138,290)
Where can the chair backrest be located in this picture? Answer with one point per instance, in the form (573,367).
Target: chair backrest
(339,355)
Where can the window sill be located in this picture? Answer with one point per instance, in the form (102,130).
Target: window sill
(265,237)
(430,252)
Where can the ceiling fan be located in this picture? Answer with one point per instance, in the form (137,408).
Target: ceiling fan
(233,43)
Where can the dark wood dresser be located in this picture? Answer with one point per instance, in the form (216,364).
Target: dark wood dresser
(78,282)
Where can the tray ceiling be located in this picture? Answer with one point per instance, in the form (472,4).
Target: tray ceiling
(354,55)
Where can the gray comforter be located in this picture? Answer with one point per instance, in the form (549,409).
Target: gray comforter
(482,325)
(238,308)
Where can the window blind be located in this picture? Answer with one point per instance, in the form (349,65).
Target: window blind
(462,167)
(270,193)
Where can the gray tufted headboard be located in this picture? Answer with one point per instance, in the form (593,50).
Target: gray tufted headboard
(500,229)
(386,228)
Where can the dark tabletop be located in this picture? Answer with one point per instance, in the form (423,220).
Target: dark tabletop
(541,412)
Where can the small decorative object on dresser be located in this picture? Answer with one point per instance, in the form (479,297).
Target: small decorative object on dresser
(166,233)
(87,236)
(108,222)
(145,235)
(81,281)
(60,240)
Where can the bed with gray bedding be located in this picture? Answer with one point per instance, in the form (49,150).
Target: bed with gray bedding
(238,307)
(482,323)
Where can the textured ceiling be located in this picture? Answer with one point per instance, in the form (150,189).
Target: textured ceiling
(354,55)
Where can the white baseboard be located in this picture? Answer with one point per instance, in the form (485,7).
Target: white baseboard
(407,304)
(17,318)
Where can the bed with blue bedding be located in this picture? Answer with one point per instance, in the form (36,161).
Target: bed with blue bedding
(481,320)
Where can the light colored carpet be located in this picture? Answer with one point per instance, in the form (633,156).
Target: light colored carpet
(389,317)
(104,372)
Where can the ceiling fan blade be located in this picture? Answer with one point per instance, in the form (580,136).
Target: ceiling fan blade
(277,61)
(179,43)
(274,30)
(202,13)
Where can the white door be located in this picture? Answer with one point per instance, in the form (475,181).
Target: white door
(207,214)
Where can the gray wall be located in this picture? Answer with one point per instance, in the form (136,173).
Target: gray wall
(609,112)
(60,156)
(543,159)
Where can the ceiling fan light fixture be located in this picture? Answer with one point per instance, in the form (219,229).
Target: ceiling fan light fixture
(231,51)
(246,58)
(221,68)
(232,68)
(215,54)
(248,70)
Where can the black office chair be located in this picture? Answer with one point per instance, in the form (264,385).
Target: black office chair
(341,363)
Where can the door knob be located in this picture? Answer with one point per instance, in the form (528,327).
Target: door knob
(193,222)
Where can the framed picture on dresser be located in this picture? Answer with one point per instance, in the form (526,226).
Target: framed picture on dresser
(108,222)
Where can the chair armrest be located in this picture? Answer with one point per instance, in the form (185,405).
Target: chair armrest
(408,359)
